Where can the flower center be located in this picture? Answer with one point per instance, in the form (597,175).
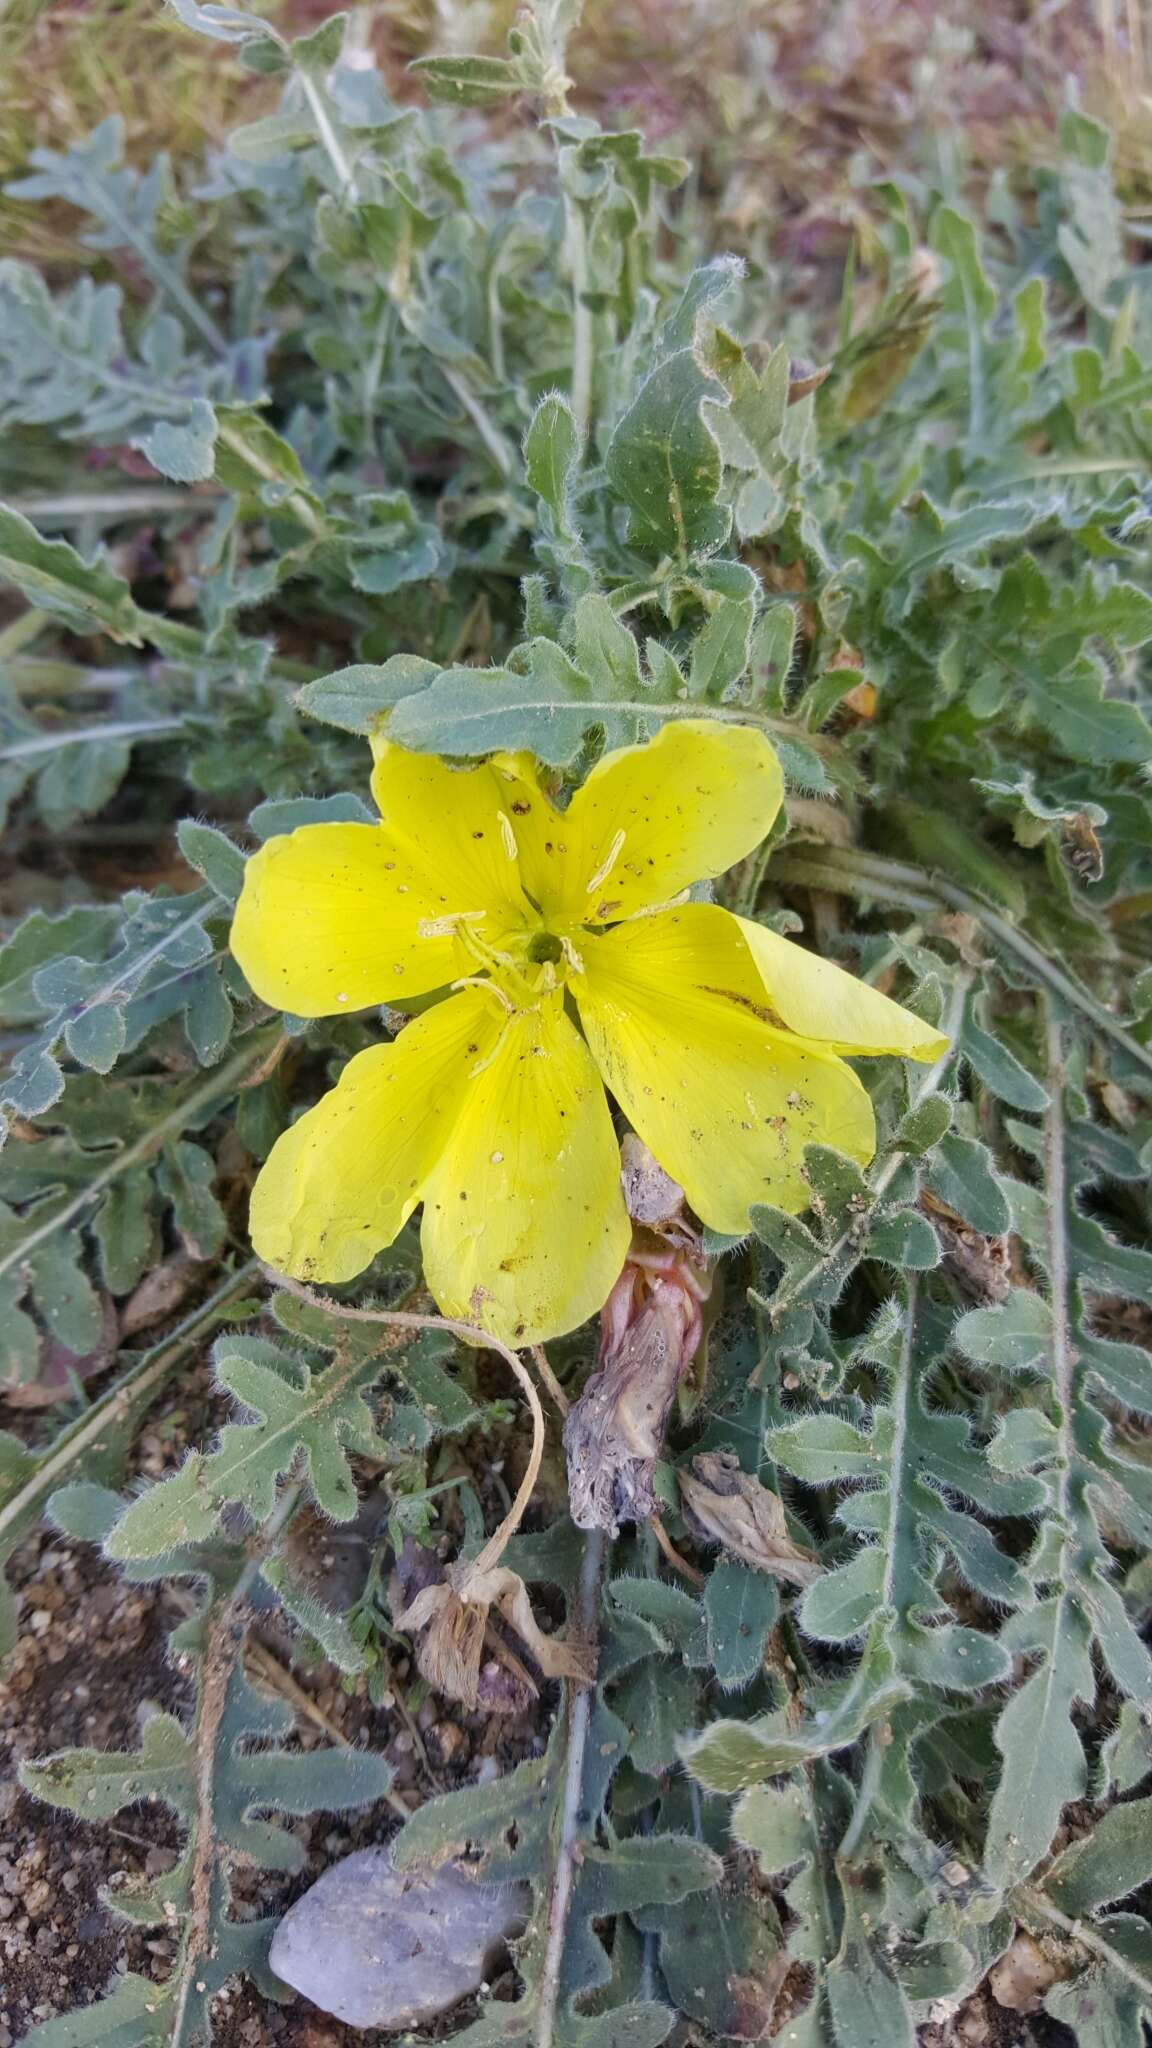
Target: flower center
(545,946)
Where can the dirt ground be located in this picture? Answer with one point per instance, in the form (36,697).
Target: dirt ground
(91,1661)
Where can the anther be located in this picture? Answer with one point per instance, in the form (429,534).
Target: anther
(606,865)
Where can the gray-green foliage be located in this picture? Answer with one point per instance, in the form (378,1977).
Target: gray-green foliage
(467,438)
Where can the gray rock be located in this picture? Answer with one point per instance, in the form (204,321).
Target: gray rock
(380,1947)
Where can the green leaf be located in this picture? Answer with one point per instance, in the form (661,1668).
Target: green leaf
(741,1605)
(97,1784)
(657,1703)
(727,1756)
(50,574)
(550,711)
(298,1414)
(136,2013)
(64,1294)
(273,136)
(865,2003)
(663,463)
(358,699)
(319,50)
(1044,1768)
(327,1628)
(821,1449)
(96,1037)
(962,1175)
(954,236)
(645,1870)
(605,650)
(176,1512)
(252,457)
(183,450)
(214,856)
(552,454)
(1089,726)
(773,1821)
(1000,1070)
(904,1238)
(717,1957)
(185,1176)
(720,652)
(1115,1859)
(841,1604)
(673,1612)
(1016,1335)
(80,779)
(467,81)
(771,655)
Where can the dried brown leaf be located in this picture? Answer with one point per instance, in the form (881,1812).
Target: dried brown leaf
(728,1506)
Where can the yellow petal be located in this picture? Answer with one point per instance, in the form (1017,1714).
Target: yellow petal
(448,820)
(525,1229)
(820,1001)
(651,820)
(535,821)
(329,919)
(724,1101)
(340,1184)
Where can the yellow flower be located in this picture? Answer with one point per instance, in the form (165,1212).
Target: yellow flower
(718,1039)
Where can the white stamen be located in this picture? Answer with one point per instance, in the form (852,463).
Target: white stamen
(490,988)
(508,836)
(606,865)
(445,927)
(574,959)
(655,909)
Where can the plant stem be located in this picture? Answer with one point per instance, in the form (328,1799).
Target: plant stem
(865,1795)
(69,509)
(580,1700)
(1056,1246)
(225,1633)
(902,1397)
(582,330)
(116,729)
(1032,1900)
(328,136)
(498,448)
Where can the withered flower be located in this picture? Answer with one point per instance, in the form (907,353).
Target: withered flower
(725,1505)
(461,1654)
(650,1328)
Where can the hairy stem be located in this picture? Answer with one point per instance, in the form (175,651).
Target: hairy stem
(1031,1901)
(580,1699)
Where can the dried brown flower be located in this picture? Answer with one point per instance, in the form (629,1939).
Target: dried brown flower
(726,1505)
(650,1328)
(452,1626)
